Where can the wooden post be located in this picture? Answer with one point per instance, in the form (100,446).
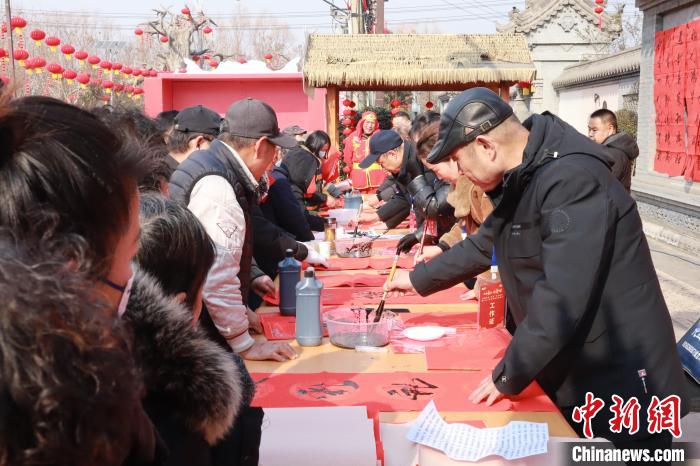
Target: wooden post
(332,112)
(504,91)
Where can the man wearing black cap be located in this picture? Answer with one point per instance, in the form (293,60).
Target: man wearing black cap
(412,182)
(583,295)
(219,186)
(194,128)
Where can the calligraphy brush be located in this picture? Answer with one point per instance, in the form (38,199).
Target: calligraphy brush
(357,220)
(422,239)
(380,308)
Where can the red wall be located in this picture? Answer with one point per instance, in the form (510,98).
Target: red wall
(284,92)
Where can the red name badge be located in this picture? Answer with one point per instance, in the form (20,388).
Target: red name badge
(492,304)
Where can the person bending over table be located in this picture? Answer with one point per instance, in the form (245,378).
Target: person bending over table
(583,295)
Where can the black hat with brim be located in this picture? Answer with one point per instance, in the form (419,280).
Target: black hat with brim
(473,112)
(380,143)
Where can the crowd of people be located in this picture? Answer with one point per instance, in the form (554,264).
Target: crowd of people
(135,251)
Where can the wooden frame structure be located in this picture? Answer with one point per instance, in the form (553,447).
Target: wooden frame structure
(412,62)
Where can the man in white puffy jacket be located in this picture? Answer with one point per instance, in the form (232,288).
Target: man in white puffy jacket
(219,185)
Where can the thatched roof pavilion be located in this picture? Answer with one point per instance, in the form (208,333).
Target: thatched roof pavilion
(416,62)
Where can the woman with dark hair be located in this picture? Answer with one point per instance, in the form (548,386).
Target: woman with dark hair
(70,390)
(176,250)
(65,177)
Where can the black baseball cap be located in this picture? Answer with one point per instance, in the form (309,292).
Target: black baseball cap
(468,115)
(379,143)
(252,118)
(198,119)
(294,130)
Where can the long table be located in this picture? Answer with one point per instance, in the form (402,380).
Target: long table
(329,358)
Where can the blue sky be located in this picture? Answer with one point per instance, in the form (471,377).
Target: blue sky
(457,16)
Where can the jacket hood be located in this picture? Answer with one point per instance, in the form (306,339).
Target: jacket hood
(623,142)
(299,166)
(196,378)
(550,138)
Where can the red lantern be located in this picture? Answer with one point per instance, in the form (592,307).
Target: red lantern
(599,2)
(20,55)
(195,58)
(347,112)
(118,88)
(127,71)
(29,65)
(185,11)
(347,102)
(81,55)
(94,60)
(129,89)
(116,67)
(53,42)
(67,51)
(207,30)
(242,61)
(137,72)
(352,104)
(214,64)
(83,79)
(138,32)
(5,80)
(55,69)
(164,40)
(429,105)
(395,103)
(268,57)
(37,36)
(69,76)
(108,86)
(106,66)
(394,111)
(153,73)
(347,122)
(137,93)
(525,86)
(39,64)
(599,10)
(18,23)
(207,56)
(3,54)
(347,132)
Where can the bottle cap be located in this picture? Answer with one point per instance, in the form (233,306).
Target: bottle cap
(309,272)
(289,253)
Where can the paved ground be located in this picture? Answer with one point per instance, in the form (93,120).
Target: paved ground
(679,275)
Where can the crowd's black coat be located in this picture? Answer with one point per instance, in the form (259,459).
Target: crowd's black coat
(623,150)
(194,389)
(419,184)
(581,286)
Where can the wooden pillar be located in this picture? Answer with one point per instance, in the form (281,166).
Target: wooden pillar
(332,112)
(504,91)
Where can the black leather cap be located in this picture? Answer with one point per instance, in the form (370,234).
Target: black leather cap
(471,113)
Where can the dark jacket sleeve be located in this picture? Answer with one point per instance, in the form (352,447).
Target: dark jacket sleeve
(315,223)
(620,162)
(271,241)
(255,271)
(464,260)
(289,213)
(578,233)
(430,196)
(394,211)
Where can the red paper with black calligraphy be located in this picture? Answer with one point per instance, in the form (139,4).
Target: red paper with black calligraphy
(692,100)
(396,391)
(661,101)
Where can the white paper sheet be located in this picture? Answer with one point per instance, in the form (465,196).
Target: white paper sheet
(341,436)
(398,450)
(466,443)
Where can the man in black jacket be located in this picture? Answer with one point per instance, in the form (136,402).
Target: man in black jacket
(412,182)
(602,128)
(582,291)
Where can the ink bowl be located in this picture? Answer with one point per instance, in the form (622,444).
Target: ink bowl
(351,327)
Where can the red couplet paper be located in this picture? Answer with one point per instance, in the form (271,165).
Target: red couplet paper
(440,319)
(361,263)
(398,391)
(278,327)
(372,295)
(354,280)
(473,349)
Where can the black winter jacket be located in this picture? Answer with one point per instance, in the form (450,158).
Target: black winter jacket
(624,150)
(578,275)
(418,184)
(194,388)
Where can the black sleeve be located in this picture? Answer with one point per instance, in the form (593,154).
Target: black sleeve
(316,199)
(271,241)
(289,213)
(430,196)
(620,162)
(394,211)
(574,258)
(464,260)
